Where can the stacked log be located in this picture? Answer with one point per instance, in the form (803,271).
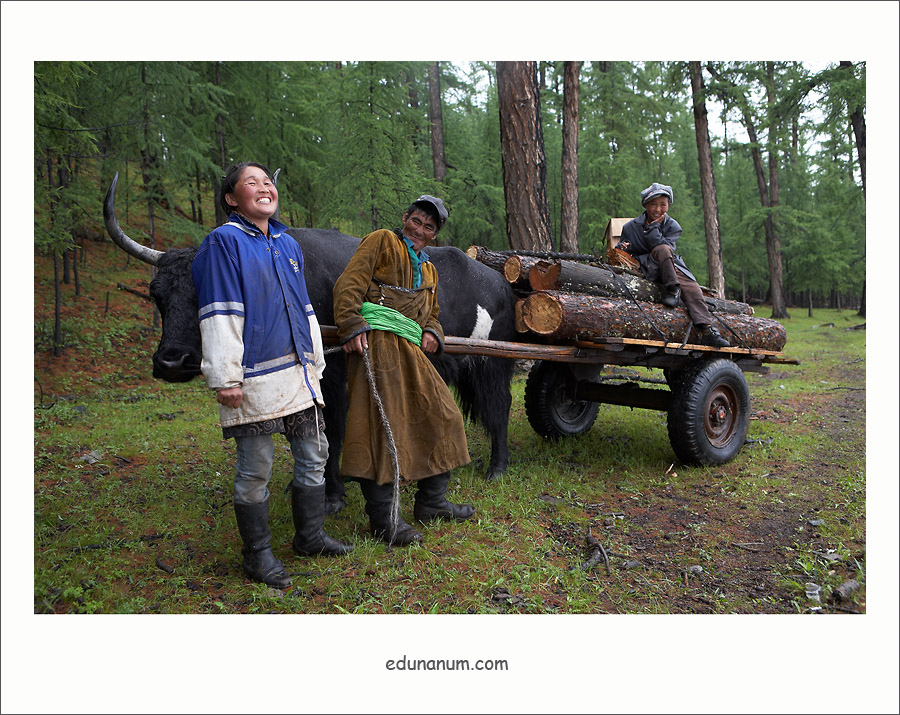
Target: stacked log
(492,259)
(574,277)
(517,270)
(562,316)
(566,297)
(532,271)
(519,315)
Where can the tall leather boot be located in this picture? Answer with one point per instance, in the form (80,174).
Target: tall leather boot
(431,501)
(260,563)
(667,275)
(308,507)
(378,507)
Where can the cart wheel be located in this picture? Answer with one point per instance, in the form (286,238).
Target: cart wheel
(550,411)
(709,413)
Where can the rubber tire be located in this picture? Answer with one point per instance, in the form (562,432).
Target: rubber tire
(550,412)
(672,376)
(709,414)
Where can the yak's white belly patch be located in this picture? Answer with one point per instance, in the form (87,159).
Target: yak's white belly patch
(483,324)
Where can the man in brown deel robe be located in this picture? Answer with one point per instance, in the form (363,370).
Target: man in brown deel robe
(385,303)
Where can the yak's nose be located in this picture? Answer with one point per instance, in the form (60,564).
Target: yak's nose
(176,364)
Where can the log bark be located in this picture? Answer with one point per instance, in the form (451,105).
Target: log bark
(568,237)
(522,156)
(571,277)
(492,259)
(575,316)
(435,114)
(554,256)
(714,264)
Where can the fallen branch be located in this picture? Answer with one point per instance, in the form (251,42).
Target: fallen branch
(597,552)
(842,609)
(41,404)
(139,294)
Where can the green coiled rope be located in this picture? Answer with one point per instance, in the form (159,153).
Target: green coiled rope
(380,317)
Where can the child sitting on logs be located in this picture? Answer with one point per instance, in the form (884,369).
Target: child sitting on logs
(651,239)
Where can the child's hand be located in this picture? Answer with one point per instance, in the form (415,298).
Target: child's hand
(230,397)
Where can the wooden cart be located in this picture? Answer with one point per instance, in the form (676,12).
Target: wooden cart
(704,394)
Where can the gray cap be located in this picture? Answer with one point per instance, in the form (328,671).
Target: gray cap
(439,207)
(655,190)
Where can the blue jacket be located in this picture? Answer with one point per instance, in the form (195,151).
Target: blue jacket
(258,327)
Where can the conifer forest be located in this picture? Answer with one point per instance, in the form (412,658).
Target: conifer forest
(767,159)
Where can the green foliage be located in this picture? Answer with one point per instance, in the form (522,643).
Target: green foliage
(60,135)
(352,141)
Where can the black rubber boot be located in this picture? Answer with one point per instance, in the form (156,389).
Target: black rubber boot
(431,501)
(378,507)
(260,563)
(711,337)
(310,539)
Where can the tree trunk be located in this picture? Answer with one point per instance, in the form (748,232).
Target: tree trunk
(572,316)
(523,159)
(773,235)
(75,272)
(858,122)
(220,143)
(57,306)
(773,240)
(573,277)
(199,200)
(714,264)
(568,236)
(150,179)
(438,158)
(373,198)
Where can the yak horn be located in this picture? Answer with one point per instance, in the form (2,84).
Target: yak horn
(129,245)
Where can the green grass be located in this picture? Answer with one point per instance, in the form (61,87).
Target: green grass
(149,526)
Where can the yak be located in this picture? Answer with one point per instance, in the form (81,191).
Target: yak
(476,301)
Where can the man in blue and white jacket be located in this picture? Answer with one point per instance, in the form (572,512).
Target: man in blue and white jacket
(262,354)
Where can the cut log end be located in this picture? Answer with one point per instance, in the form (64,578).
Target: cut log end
(519,316)
(472,252)
(542,314)
(544,275)
(512,269)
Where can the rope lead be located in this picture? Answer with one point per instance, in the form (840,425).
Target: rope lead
(395,497)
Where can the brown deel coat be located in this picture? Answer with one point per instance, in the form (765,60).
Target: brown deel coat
(426,424)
